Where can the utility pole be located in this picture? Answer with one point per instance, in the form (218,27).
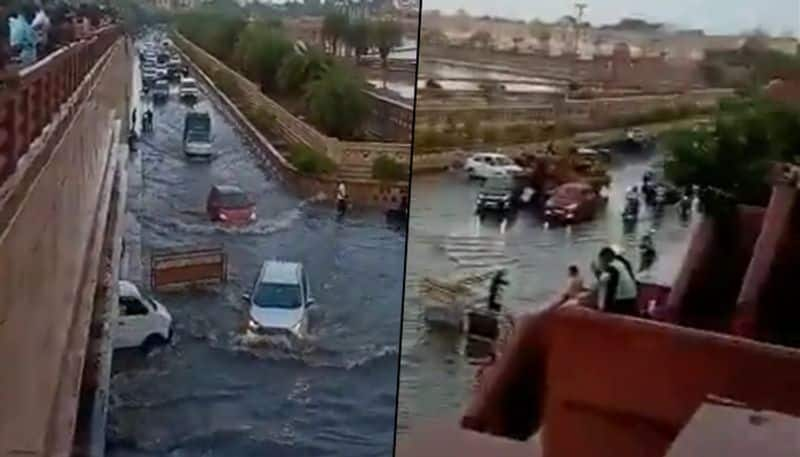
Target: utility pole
(579,8)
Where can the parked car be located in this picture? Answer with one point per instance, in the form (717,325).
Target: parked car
(231,205)
(486,165)
(572,203)
(189,88)
(496,194)
(142,321)
(279,302)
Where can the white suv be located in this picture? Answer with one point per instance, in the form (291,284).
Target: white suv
(142,321)
(487,165)
(280,300)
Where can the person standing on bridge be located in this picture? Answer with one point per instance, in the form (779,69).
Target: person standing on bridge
(341,198)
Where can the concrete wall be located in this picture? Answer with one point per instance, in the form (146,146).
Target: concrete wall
(591,113)
(48,234)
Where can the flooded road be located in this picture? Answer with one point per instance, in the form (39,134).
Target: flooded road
(205,393)
(436,377)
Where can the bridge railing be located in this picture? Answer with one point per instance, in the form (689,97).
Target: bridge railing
(31,96)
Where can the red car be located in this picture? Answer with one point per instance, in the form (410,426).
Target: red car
(230,204)
(572,203)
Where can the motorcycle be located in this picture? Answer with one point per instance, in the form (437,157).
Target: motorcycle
(631,211)
(647,254)
(685,207)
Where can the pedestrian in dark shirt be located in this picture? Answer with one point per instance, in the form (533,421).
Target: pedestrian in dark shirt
(495,288)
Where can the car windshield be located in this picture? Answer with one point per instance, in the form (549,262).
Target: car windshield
(234,200)
(503,161)
(283,296)
(497,184)
(188,85)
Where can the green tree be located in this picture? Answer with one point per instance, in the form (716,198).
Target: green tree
(481,39)
(260,53)
(359,37)
(299,69)
(334,29)
(387,35)
(337,102)
(734,159)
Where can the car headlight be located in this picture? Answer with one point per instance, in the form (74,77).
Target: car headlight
(223,217)
(253,325)
(296,327)
(572,207)
(252,216)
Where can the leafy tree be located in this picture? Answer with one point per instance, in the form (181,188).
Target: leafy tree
(334,29)
(337,102)
(387,35)
(387,169)
(298,70)
(260,53)
(481,39)
(732,161)
(359,37)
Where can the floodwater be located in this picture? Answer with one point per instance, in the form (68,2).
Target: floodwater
(206,393)
(435,375)
(449,75)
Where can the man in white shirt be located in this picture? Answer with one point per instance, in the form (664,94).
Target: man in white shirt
(341,197)
(617,288)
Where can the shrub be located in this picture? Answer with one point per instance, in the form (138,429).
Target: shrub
(471,127)
(310,161)
(520,133)
(385,168)
(490,134)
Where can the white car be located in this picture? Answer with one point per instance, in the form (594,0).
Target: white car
(280,300)
(487,165)
(142,322)
(189,88)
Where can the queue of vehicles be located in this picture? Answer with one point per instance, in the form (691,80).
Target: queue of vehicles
(281,296)
(506,186)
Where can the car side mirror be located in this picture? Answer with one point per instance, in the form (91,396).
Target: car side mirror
(246,297)
(310,302)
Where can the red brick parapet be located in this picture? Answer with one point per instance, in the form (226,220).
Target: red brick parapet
(31,96)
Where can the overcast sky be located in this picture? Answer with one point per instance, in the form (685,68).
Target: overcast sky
(714,16)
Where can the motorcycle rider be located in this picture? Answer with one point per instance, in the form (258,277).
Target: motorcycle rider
(647,252)
(685,205)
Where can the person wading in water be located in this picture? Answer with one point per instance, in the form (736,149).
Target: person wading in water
(341,198)
(495,289)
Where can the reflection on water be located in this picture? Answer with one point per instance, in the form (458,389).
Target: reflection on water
(448,75)
(206,393)
(401,88)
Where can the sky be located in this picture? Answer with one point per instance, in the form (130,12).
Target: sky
(714,16)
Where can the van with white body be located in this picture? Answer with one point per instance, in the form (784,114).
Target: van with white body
(142,321)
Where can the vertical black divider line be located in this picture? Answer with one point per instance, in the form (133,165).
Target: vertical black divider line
(408,227)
